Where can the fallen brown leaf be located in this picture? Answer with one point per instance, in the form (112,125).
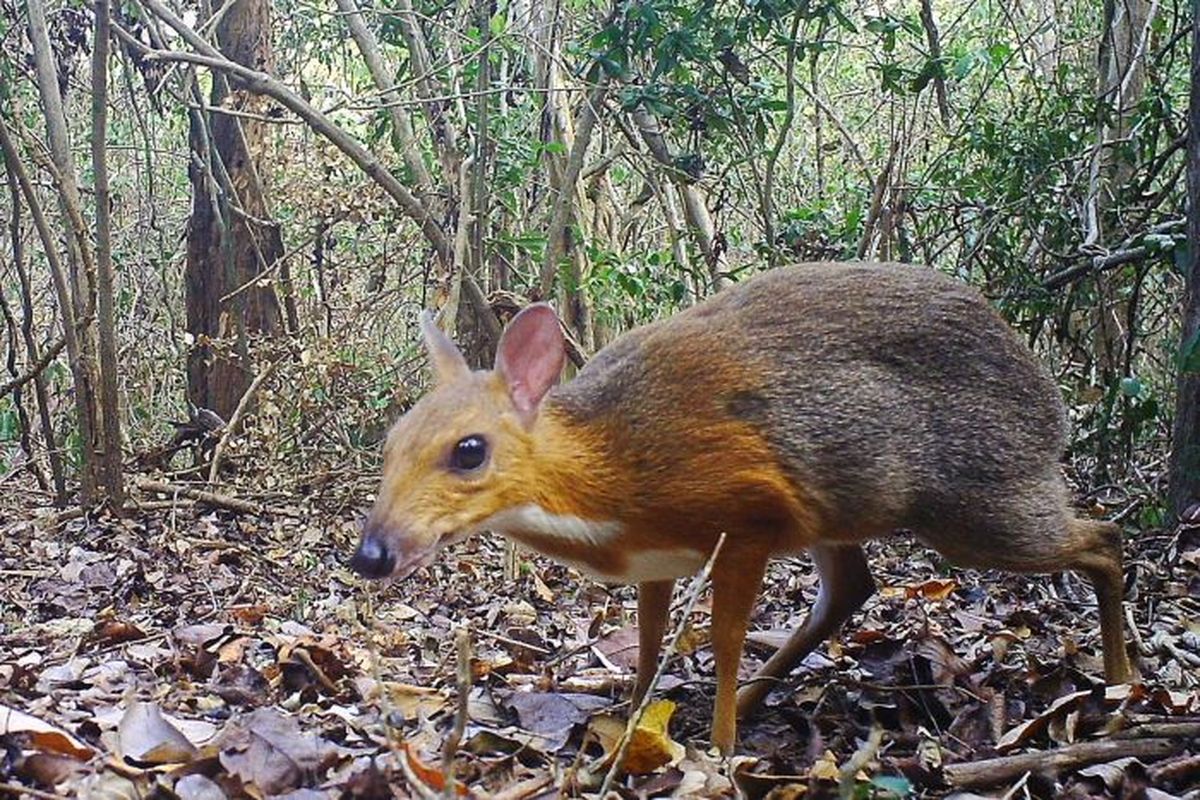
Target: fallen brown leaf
(42,735)
(146,737)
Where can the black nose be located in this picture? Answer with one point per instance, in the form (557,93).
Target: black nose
(373,559)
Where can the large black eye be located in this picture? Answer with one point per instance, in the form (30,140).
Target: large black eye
(470,453)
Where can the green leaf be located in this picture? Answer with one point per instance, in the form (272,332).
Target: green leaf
(893,784)
(498,24)
(529,243)
(1151,516)
(1131,386)
(890,77)
(9,425)
(611,68)
(842,19)
(929,71)
(964,65)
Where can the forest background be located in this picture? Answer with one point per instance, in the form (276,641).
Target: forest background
(256,206)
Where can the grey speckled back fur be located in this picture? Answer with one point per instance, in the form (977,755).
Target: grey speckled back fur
(897,392)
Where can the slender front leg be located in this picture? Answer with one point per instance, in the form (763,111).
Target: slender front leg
(736,583)
(846,583)
(654,606)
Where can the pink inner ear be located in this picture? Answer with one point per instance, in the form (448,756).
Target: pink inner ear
(530,355)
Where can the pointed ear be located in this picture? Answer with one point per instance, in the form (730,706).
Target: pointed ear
(448,362)
(530,356)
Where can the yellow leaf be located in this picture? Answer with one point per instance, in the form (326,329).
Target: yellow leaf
(650,746)
(825,768)
(935,589)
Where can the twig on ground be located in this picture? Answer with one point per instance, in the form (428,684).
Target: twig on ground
(18,790)
(526,788)
(1181,729)
(635,717)
(462,675)
(514,642)
(1177,771)
(1131,624)
(858,762)
(994,771)
(213,499)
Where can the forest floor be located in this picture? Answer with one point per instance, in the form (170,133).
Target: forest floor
(192,652)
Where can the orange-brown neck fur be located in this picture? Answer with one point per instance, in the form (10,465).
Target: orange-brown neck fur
(653,442)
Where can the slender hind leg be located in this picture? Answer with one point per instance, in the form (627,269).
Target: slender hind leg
(846,583)
(1035,532)
(1097,554)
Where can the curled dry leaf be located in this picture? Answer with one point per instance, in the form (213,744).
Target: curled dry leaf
(269,751)
(115,631)
(415,702)
(619,649)
(552,715)
(945,664)
(145,736)
(1110,773)
(1031,728)
(650,747)
(49,769)
(431,777)
(42,735)
(1058,718)
(933,589)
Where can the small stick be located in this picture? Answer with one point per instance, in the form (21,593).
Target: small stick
(211,499)
(1135,634)
(514,642)
(235,420)
(993,771)
(862,756)
(1161,730)
(18,790)
(698,584)
(462,644)
(1177,771)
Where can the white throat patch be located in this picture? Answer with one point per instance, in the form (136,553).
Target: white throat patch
(532,519)
(529,523)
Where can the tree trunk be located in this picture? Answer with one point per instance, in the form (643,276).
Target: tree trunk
(106,327)
(695,207)
(933,39)
(1120,86)
(33,356)
(231,239)
(75,285)
(1185,438)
